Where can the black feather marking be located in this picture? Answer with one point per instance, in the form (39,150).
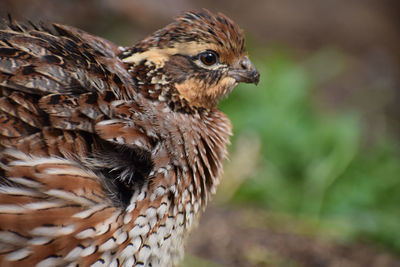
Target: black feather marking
(55,99)
(28,70)
(109,96)
(92,98)
(52,59)
(4,51)
(126,170)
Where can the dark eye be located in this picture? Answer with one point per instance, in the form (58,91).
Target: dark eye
(208,58)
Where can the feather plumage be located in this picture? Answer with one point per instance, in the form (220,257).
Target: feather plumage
(108,154)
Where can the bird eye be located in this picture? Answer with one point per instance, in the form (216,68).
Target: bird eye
(208,58)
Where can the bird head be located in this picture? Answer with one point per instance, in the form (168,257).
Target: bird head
(201,56)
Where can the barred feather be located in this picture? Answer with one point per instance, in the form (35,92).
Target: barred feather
(108,154)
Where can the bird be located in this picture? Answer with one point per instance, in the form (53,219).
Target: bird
(109,154)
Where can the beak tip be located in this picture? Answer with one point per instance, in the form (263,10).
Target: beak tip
(246,72)
(255,77)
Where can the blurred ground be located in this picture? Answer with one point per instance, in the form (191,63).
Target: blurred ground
(252,237)
(350,50)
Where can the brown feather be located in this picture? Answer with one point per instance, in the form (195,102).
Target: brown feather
(109,154)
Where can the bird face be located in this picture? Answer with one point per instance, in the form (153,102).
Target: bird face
(201,55)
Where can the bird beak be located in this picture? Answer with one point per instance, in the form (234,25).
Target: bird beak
(245,72)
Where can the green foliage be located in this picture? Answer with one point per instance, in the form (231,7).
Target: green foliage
(314,164)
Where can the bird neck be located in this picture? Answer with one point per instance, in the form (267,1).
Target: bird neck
(198,136)
(188,164)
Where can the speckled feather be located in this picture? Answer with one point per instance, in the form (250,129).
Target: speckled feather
(107,156)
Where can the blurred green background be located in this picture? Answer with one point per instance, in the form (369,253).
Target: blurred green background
(314,172)
(313,163)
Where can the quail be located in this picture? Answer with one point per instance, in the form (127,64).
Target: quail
(109,154)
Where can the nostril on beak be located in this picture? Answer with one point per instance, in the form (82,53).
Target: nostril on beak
(245,72)
(246,64)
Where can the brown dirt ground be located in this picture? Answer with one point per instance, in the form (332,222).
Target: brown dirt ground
(232,236)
